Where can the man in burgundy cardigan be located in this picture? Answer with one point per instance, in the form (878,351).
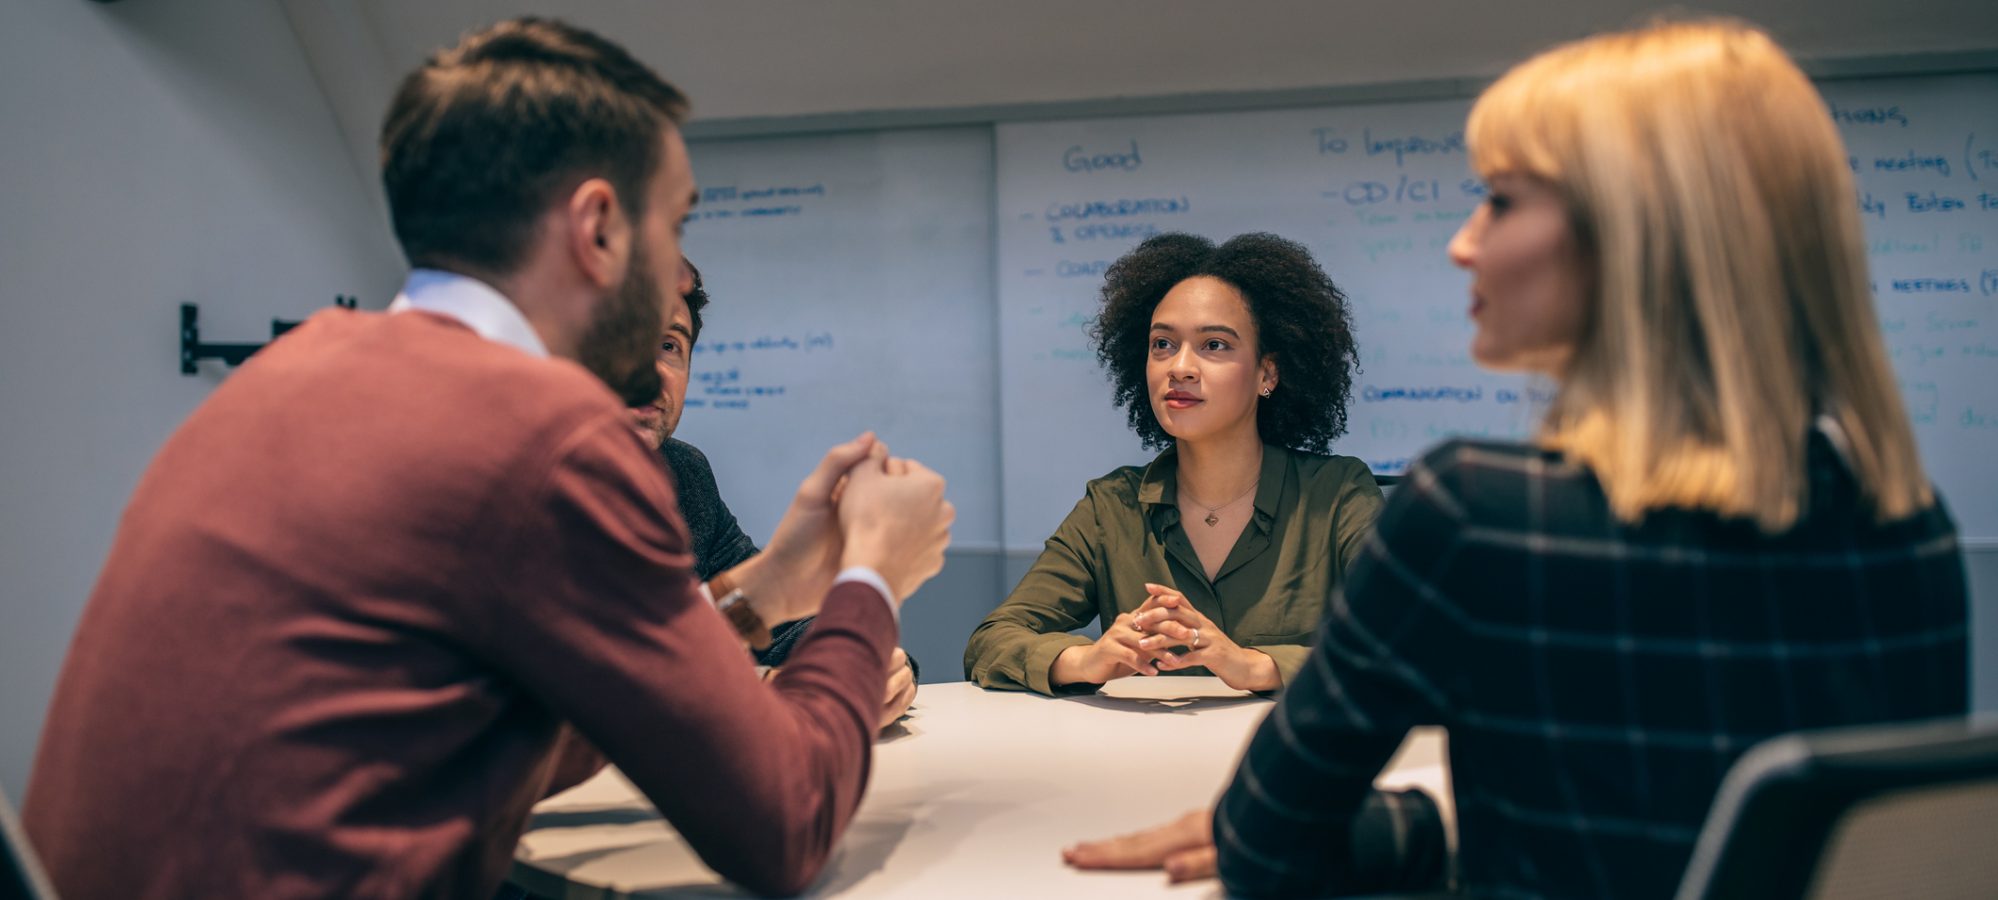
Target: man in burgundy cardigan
(359,593)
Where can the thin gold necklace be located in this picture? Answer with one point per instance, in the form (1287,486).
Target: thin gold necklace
(1213,519)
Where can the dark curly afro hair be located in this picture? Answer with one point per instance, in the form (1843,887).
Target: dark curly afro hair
(1302,321)
(697,300)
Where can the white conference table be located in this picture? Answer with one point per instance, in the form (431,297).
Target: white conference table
(972,795)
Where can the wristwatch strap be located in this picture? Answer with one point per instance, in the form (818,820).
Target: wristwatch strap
(734,606)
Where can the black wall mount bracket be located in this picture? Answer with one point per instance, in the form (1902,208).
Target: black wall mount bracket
(192,350)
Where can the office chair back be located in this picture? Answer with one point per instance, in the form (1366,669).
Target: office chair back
(1854,814)
(21,875)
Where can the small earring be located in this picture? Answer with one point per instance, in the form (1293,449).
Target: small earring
(1268,391)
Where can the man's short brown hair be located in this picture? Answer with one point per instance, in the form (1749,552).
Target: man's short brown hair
(480,139)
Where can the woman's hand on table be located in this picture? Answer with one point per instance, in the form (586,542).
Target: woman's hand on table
(1169,620)
(1183,847)
(1114,655)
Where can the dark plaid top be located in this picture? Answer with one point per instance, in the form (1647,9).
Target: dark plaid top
(1597,678)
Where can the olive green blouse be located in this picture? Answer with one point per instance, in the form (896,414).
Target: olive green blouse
(1312,513)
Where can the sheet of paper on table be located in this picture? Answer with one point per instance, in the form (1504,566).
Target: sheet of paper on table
(1168,689)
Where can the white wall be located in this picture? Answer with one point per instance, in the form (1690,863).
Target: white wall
(155,151)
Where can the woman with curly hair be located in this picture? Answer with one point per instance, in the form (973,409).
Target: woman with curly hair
(1216,557)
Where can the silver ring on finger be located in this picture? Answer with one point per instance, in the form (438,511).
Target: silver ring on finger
(1195,643)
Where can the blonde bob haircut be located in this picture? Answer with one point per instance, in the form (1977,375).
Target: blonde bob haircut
(1711,198)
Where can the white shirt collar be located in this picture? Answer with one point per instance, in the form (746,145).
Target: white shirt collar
(472,302)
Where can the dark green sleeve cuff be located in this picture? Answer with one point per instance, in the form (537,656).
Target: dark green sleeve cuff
(1290,659)
(1040,662)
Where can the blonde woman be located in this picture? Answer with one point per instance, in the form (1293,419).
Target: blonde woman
(1721,533)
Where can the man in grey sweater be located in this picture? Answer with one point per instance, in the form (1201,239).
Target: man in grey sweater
(719,543)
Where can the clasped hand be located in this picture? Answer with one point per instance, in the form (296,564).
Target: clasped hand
(859,507)
(1165,633)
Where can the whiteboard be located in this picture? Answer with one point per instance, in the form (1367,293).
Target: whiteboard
(850,278)
(1925,152)
(1376,191)
(933,284)
(1074,196)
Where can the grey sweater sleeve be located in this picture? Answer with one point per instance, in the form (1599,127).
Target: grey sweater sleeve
(719,544)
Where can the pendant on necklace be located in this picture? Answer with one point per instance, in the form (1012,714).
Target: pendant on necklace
(1212,519)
